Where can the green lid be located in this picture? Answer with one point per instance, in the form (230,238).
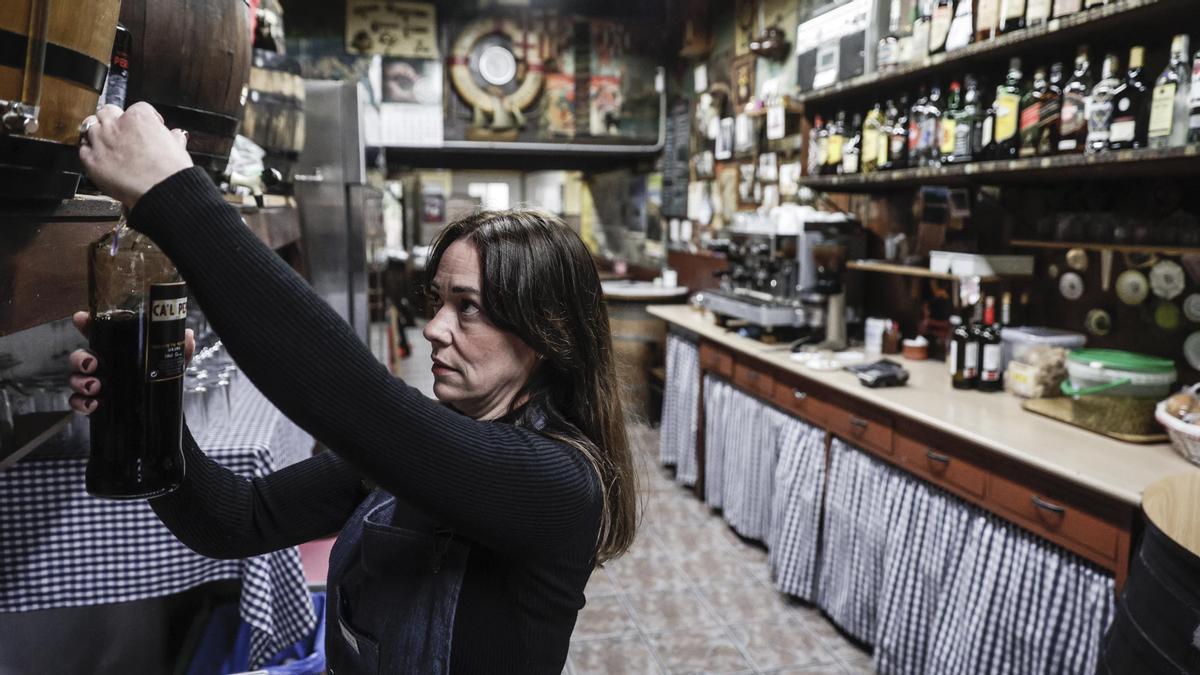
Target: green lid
(1115,359)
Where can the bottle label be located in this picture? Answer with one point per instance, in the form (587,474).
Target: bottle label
(960,29)
(914,136)
(1065,7)
(1014,10)
(168,320)
(1038,12)
(1099,118)
(1030,117)
(882,140)
(1007,106)
(1123,130)
(870,146)
(1162,110)
(835,150)
(1072,120)
(940,27)
(971,360)
(991,363)
(949,137)
(899,141)
(850,161)
(929,133)
(962,141)
(952,359)
(989,16)
(989,125)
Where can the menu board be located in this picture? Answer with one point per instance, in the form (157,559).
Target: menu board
(675,160)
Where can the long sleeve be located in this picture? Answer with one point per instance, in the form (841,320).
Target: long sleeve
(506,487)
(220,514)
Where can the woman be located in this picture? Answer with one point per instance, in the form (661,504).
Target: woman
(468,527)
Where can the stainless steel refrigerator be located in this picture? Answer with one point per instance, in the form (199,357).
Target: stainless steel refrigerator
(335,202)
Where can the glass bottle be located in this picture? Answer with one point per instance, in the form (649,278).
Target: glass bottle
(991,378)
(962,26)
(1031,113)
(852,152)
(898,149)
(948,134)
(939,27)
(1047,142)
(987,19)
(923,16)
(1130,115)
(969,124)
(138,309)
(1008,108)
(1169,106)
(916,118)
(1072,126)
(1100,105)
(1012,15)
(837,142)
(817,148)
(887,55)
(1066,7)
(1037,12)
(872,129)
(931,125)
(964,354)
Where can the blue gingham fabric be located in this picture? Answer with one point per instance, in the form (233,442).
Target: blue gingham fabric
(681,409)
(60,547)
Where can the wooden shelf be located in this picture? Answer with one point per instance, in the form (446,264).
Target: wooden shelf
(880,267)
(790,106)
(30,431)
(1100,23)
(1116,248)
(1143,163)
(81,208)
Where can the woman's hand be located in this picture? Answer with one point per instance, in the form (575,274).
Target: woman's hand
(84,364)
(127,152)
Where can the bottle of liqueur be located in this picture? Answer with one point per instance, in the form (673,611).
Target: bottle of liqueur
(969,125)
(1047,143)
(923,17)
(1037,12)
(872,129)
(883,142)
(887,55)
(837,142)
(1100,106)
(963,356)
(1012,15)
(939,27)
(817,146)
(987,19)
(1006,309)
(1194,102)
(852,152)
(1008,109)
(1031,113)
(1169,106)
(991,378)
(1066,7)
(962,27)
(1072,127)
(1130,100)
(916,117)
(931,125)
(948,133)
(898,149)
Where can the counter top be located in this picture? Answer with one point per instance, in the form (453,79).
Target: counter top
(994,421)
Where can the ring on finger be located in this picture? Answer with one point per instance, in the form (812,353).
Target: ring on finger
(85,127)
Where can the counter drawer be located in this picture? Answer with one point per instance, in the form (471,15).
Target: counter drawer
(939,467)
(871,430)
(752,380)
(716,359)
(1046,516)
(797,400)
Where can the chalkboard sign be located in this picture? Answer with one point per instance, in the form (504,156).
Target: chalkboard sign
(675,160)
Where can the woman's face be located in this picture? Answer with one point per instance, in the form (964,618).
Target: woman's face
(477,367)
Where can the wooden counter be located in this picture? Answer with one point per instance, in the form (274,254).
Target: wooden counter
(1075,488)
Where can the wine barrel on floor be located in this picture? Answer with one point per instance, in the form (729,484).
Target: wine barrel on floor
(190,59)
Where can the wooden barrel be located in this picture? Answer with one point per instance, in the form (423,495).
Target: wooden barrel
(639,339)
(43,163)
(190,59)
(1157,623)
(274,116)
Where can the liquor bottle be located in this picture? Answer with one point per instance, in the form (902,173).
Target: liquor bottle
(1066,7)
(1006,309)
(1008,107)
(117,82)
(883,141)
(990,375)
(1100,105)
(138,307)
(852,152)
(916,118)
(1012,15)
(898,135)
(837,142)
(961,27)
(948,134)
(1194,102)
(922,18)
(1169,106)
(987,134)
(1072,126)
(1031,113)
(872,129)
(963,355)
(968,126)
(887,55)
(817,146)
(1047,142)
(939,26)
(1037,12)
(987,19)
(931,125)
(1130,115)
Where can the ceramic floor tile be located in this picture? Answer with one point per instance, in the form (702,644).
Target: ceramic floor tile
(813,670)
(645,545)
(821,626)
(619,656)
(604,616)
(858,663)
(744,602)
(663,611)
(779,645)
(653,573)
(705,567)
(706,650)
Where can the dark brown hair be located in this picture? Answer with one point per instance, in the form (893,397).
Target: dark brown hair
(541,284)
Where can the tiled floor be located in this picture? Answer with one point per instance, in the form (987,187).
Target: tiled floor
(692,597)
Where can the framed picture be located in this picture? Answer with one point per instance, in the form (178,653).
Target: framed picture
(743,81)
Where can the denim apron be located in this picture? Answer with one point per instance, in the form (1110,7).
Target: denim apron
(394,582)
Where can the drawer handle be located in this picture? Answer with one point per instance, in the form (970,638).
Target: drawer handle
(858,422)
(1043,504)
(799,395)
(937,457)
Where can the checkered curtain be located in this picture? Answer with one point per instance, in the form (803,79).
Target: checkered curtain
(681,400)
(796,508)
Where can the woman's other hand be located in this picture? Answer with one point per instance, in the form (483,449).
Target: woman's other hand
(84,364)
(127,152)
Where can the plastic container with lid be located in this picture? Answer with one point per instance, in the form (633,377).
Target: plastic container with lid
(1110,372)
(1017,340)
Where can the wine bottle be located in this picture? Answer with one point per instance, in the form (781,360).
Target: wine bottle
(939,27)
(1031,113)
(1100,106)
(852,152)
(987,20)
(1012,15)
(948,134)
(961,27)
(990,375)
(872,129)
(1072,126)
(898,135)
(1008,109)
(1128,129)
(1169,106)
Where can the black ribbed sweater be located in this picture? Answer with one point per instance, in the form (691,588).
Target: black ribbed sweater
(529,505)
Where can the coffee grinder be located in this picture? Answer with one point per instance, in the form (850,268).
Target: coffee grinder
(829,257)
